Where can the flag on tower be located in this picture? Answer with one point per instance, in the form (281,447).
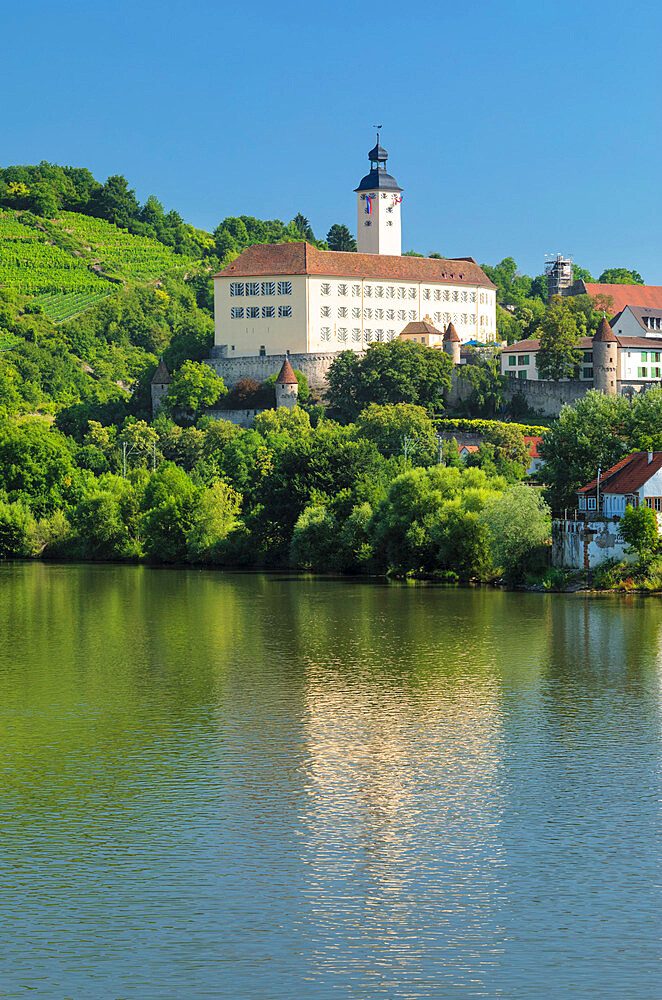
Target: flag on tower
(397,198)
(368,203)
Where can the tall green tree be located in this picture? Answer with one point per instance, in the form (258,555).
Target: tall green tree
(620,276)
(340,238)
(397,372)
(558,356)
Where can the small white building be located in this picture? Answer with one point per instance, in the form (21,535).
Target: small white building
(590,536)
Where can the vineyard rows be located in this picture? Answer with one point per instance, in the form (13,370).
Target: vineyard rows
(63,306)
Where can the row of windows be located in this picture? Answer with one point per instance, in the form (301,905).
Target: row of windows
(402,292)
(643,373)
(446,295)
(655,503)
(343,335)
(260,287)
(254,312)
(468,319)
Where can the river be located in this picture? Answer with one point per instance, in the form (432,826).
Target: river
(253,786)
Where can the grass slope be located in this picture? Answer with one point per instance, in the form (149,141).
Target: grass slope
(70,263)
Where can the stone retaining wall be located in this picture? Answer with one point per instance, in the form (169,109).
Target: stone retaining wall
(231,370)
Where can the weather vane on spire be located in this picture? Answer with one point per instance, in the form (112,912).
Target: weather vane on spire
(378,128)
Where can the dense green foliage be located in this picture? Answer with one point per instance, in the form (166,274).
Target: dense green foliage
(397,372)
(484,426)
(596,433)
(638,529)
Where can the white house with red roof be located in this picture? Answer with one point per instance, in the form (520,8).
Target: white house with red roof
(292,298)
(589,536)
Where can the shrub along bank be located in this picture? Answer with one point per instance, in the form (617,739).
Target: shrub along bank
(283,493)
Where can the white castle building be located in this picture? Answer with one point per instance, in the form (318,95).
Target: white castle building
(291,298)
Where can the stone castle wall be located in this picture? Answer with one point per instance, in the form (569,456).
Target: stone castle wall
(231,370)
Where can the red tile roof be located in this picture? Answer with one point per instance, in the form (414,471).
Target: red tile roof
(286,375)
(161,376)
(302,258)
(626,476)
(604,334)
(419,326)
(533,344)
(627,295)
(450,335)
(532,443)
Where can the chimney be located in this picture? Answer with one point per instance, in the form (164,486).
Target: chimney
(650,457)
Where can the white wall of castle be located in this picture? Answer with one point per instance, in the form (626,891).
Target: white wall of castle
(379,231)
(341,313)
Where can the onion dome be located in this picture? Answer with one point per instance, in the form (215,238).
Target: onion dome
(604,334)
(378,179)
(286,376)
(161,375)
(450,335)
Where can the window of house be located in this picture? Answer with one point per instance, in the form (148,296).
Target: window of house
(437,317)
(436,295)
(632,499)
(285,311)
(236,288)
(237,312)
(342,312)
(367,313)
(472,297)
(642,372)
(379,336)
(464,318)
(325,311)
(252,288)
(587,372)
(356,313)
(582,503)
(284,287)
(356,335)
(367,291)
(512,360)
(402,292)
(367,335)
(253,312)
(644,356)
(523,359)
(356,290)
(390,334)
(390,313)
(402,314)
(263,351)
(268,287)
(591,503)
(367,223)
(463,297)
(521,374)
(426,294)
(412,293)
(379,291)
(473,319)
(390,292)
(379,314)
(342,289)
(655,355)
(655,372)
(325,333)
(455,296)
(412,314)
(447,295)
(342,335)
(268,312)
(325,288)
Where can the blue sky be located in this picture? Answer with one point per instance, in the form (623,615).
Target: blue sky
(515,129)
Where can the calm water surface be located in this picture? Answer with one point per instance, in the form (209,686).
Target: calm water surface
(242,786)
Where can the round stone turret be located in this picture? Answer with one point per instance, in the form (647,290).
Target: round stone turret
(451,344)
(287,387)
(159,386)
(605,359)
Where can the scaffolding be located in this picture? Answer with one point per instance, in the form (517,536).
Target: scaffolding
(559,274)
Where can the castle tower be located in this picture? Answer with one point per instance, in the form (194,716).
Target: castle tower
(160,385)
(287,387)
(378,201)
(451,344)
(605,359)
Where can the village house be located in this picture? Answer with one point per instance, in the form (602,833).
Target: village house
(589,536)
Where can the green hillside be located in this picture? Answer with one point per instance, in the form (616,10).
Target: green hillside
(73,262)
